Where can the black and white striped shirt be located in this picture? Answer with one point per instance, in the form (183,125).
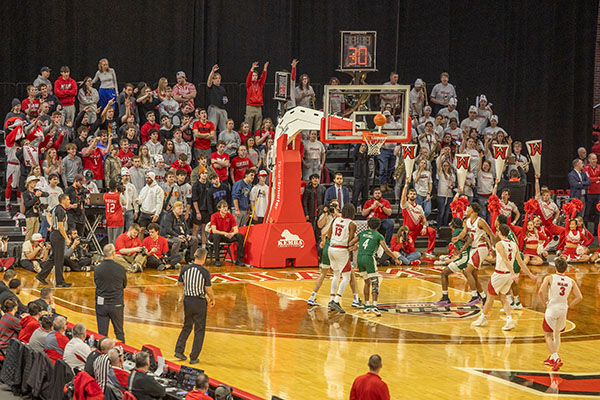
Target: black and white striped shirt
(195,279)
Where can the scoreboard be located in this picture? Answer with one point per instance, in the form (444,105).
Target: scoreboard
(358,51)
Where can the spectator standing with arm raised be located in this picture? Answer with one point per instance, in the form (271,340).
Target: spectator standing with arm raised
(254,96)
(217,98)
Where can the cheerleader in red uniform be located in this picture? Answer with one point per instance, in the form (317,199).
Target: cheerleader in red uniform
(534,250)
(575,240)
(589,238)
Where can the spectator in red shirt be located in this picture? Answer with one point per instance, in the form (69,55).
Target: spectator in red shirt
(31,105)
(219,160)
(370,386)
(157,250)
(592,169)
(31,322)
(125,154)
(93,157)
(244,132)
(200,389)
(204,134)
(266,131)
(114,204)
(182,164)
(56,341)
(254,96)
(240,164)
(150,124)
(380,208)
(224,230)
(403,247)
(129,250)
(9,324)
(65,88)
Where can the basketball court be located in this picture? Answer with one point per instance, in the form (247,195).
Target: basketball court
(262,337)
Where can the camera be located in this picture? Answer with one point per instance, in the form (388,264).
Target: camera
(144,251)
(330,208)
(84,241)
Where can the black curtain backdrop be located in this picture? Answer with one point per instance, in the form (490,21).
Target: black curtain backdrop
(534,60)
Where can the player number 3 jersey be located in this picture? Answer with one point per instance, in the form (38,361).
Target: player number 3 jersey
(559,290)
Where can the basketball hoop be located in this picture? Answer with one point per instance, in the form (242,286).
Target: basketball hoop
(374,142)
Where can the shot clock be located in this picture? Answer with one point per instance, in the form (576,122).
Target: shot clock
(358,51)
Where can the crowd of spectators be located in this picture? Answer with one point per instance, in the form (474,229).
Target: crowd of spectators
(164,157)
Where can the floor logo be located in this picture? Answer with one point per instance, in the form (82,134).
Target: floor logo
(457,310)
(288,239)
(540,382)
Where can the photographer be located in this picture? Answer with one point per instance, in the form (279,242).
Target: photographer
(77,194)
(330,211)
(58,239)
(31,200)
(174,228)
(403,247)
(77,256)
(157,250)
(35,253)
(5,262)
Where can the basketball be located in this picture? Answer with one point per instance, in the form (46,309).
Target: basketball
(379,119)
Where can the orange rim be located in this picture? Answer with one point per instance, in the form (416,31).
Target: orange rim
(368,134)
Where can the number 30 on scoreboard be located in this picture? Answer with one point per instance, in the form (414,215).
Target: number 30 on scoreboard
(358,51)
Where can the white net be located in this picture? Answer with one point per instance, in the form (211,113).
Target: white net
(374,144)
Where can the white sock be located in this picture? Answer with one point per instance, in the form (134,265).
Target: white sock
(374,303)
(508,318)
(445,292)
(474,293)
(482,295)
(313,295)
(517,299)
(356,298)
(337,298)
(366,303)
(509,298)
(554,356)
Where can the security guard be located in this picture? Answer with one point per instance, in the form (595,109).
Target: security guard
(197,293)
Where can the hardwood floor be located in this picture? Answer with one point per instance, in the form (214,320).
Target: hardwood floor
(263,338)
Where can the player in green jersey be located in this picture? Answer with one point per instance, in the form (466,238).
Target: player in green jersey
(368,242)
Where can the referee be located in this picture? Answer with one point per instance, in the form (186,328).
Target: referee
(111,281)
(197,293)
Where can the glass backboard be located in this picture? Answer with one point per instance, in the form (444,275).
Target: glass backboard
(357,105)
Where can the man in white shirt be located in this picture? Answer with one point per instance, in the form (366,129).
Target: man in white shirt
(391,98)
(492,130)
(314,156)
(450,111)
(471,121)
(442,92)
(258,198)
(77,351)
(417,98)
(484,112)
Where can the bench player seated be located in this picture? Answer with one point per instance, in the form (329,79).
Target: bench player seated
(554,292)
(501,280)
(368,244)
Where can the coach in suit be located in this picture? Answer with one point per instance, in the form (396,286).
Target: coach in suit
(578,181)
(337,191)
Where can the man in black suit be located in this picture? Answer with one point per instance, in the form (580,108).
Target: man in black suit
(312,202)
(143,386)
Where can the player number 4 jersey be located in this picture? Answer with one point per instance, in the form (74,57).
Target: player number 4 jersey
(559,290)
(368,242)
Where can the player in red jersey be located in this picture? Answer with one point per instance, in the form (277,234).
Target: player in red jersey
(548,213)
(414,217)
(114,202)
(555,292)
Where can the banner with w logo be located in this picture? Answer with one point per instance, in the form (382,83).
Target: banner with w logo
(535,152)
